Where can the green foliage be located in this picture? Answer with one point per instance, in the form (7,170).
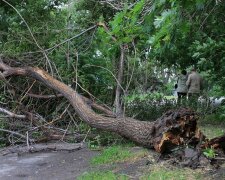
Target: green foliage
(148,106)
(219,113)
(179,40)
(156,36)
(102,176)
(111,155)
(214,115)
(209,153)
(41,17)
(125,24)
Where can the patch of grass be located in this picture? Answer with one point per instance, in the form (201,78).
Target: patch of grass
(170,97)
(175,174)
(216,118)
(212,131)
(212,126)
(111,155)
(209,153)
(118,153)
(102,176)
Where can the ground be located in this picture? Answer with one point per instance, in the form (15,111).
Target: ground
(61,165)
(114,162)
(88,164)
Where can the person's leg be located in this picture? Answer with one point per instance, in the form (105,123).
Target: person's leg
(179,97)
(183,98)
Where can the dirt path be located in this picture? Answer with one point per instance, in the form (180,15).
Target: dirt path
(46,165)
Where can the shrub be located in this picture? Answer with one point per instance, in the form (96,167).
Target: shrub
(148,106)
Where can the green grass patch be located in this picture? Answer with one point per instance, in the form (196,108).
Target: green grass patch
(212,131)
(212,126)
(170,97)
(112,154)
(175,174)
(102,176)
(215,119)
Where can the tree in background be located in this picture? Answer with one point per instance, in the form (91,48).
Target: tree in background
(107,50)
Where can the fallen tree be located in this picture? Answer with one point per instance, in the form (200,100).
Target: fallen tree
(174,128)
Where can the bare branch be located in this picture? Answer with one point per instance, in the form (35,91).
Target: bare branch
(15,133)
(11,114)
(41,96)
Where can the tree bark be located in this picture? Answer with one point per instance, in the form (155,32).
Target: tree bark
(174,128)
(118,103)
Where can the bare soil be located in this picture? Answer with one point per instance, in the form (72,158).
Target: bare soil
(52,165)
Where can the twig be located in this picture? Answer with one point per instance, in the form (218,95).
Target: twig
(65,131)
(27,91)
(28,145)
(63,42)
(16,133)
(51,122)
(72,118)
(11,114)
(86,135)
(40,96)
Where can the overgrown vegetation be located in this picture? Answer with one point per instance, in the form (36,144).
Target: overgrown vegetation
(80,44)
(148,106)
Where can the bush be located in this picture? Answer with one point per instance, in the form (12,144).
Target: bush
(148,106)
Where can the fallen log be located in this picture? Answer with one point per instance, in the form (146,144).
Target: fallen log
(41,147)
(174,128)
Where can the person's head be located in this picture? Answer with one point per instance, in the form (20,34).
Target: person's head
(184,72)
(193,70)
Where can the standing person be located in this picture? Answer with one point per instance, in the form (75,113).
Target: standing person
(195,85)
(181,86)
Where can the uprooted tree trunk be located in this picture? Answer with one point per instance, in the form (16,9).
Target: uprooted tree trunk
(173,129)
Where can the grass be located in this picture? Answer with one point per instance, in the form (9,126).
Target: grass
(212,131)
(170,175)
(170,97)
(212,126)
(157,174)
(112,154)
(163,173)
(102,176)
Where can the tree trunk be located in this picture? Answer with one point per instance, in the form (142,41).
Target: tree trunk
(118,103)
(174,128)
